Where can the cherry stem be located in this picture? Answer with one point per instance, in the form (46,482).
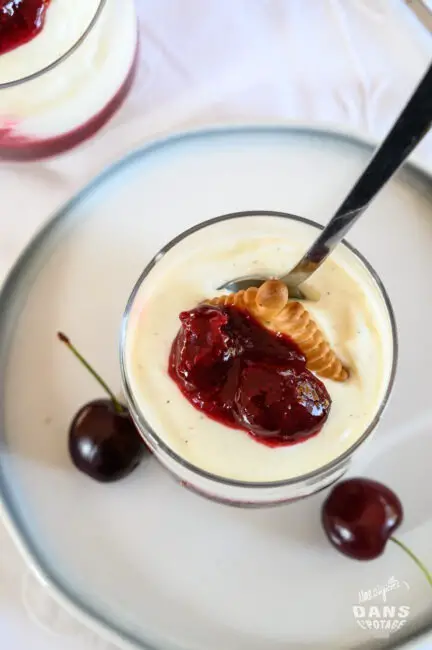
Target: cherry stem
(419,563)
(64,339)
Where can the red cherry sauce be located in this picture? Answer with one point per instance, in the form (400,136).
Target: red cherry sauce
(20,21)
(241,374)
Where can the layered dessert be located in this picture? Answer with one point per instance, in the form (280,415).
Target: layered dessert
(64,68)
(254,386)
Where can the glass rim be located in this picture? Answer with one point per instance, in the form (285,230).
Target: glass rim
(236,483)
(63,57)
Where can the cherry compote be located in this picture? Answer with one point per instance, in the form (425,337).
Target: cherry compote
(20,21)
(245,376)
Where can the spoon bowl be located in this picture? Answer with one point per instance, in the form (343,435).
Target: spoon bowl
(241,284)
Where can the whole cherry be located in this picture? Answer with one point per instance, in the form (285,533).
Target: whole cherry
(360,516)
(103,441)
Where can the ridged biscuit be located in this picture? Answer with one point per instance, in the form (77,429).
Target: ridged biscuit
(270,305)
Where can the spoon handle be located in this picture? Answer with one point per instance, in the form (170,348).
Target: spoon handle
(408,130)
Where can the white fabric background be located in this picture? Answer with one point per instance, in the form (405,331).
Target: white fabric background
(350,63)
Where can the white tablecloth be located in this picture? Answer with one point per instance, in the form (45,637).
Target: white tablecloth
(349,63)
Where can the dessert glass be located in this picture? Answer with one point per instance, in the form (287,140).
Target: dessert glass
(231,491)
(64,101)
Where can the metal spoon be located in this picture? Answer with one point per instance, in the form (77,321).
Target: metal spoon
(407,132)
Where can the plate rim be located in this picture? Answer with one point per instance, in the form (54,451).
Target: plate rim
(73,604)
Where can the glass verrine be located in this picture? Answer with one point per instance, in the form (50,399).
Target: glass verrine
(61,86)
(235,245)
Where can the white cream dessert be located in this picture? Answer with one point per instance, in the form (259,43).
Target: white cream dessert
(71,94)
(351,313)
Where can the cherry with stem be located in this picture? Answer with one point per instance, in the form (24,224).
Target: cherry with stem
(103,440)
(360,516)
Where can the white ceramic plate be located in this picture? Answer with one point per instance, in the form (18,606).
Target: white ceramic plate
(144,560)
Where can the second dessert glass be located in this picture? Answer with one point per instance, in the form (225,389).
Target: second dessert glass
(63,85)
(231,491)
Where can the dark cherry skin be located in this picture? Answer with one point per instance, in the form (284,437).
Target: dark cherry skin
(104,443)
(243,375)
(359,516)
(20,22)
